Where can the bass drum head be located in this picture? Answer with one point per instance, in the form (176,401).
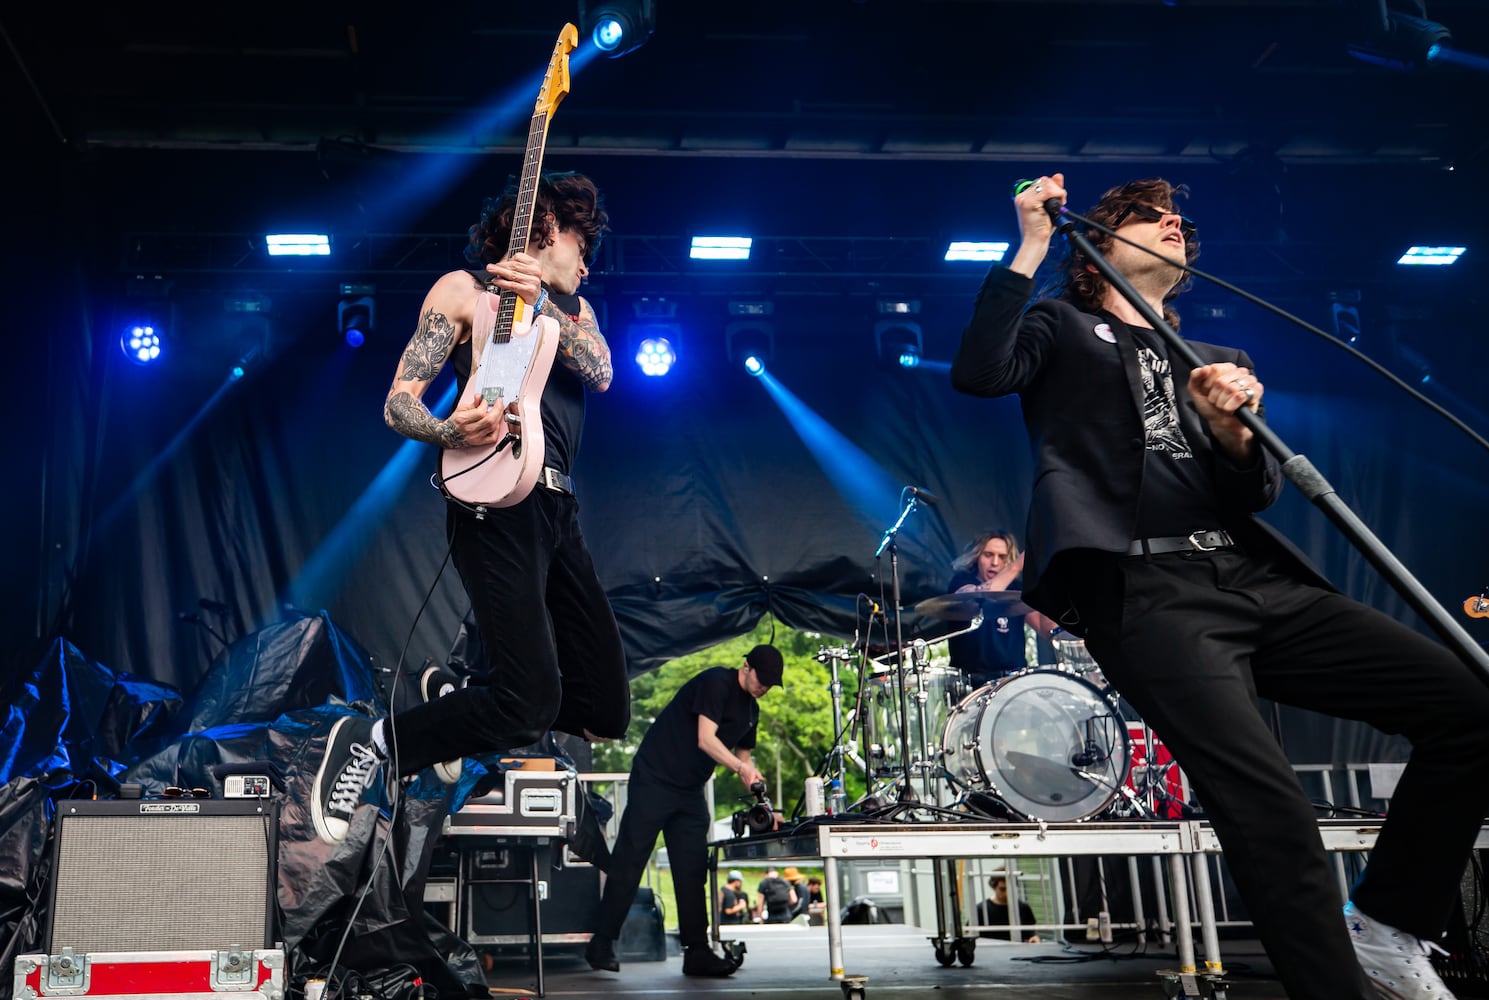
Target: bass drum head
(1051,746)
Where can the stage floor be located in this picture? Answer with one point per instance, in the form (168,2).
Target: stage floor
(900,964)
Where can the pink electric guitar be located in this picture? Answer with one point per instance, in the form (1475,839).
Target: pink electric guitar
(514,346)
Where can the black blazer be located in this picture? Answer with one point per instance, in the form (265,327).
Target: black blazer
(1082,400)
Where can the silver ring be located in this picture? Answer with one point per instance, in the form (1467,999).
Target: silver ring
(1250,395)
(1038,187)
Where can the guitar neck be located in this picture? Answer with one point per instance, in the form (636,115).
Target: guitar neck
(522,218)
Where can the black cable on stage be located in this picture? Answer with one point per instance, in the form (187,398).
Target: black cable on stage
(390,777)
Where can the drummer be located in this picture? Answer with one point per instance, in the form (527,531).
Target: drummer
(1004,643)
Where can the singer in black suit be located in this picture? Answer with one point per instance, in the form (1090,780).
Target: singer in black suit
(1142,539)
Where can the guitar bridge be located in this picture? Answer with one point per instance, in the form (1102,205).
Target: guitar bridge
(492,394)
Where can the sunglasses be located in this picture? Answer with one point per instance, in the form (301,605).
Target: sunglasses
(1150,214)
(173,792)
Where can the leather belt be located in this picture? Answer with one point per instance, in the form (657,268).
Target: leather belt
(1195,541)
(552,479)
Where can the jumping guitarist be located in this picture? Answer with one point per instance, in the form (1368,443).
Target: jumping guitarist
(553,651)
(553,648)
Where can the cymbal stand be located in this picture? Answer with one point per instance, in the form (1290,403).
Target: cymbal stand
(907,791)
(844,738)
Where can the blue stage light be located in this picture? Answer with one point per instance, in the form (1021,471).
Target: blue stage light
(655,356)
(140,343)
(355,337)
(909,359)
(298,244)
(720,248)
(618,26)
(608,34)
(975,251)
(1432,256)
(754,365)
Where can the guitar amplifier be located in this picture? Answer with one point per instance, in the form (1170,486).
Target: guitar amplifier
(167,875)
(534,797)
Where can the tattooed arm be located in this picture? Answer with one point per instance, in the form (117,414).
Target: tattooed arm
(581,346)
(444,321)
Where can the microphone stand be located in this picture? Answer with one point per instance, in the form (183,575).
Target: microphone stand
(1298,469)
(907,791)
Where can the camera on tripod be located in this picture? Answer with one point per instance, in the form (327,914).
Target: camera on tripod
(759,818)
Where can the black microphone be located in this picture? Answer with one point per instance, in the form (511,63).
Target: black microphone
(925,496)
(1051,205)
(1091,754)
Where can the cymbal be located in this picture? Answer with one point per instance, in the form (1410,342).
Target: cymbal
(965,606)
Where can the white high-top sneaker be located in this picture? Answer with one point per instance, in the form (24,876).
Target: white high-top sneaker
(1398,963)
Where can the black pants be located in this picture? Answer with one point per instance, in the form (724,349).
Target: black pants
(552,645)
(681,816)
(1191,641)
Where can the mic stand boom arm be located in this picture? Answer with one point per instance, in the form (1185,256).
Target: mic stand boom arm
(1298,469)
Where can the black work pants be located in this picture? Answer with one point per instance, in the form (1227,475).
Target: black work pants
(681,816)
(1192,640)
(552,646)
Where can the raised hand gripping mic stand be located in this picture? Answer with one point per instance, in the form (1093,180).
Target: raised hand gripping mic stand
(1298,469)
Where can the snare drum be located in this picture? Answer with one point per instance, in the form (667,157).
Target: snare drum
(1045,742)
(940,687)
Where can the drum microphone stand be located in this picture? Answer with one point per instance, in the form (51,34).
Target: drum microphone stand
(907,790)
(1298,469)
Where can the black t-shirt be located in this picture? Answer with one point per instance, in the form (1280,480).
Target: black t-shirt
(995,649)
(728,897)
(989,912)
(803,897)
(1176,496)
(669,753)
(777,893)
(562,401)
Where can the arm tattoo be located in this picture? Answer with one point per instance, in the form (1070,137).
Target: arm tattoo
(582,347)
(411,418)
(429,348)
(426,353)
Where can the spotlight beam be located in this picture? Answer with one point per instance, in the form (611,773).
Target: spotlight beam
(856,477)
(322,573)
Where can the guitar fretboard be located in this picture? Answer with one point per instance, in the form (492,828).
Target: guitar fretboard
(522,219)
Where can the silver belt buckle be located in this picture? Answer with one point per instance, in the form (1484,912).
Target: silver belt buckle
(1197,545)
(548,477)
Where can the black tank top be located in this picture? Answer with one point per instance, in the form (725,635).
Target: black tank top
(563,398)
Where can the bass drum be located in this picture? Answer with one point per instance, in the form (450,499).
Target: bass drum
(1044,742)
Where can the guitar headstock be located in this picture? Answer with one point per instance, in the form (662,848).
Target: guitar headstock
(556,81)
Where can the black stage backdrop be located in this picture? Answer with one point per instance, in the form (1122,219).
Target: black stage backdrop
(703,507)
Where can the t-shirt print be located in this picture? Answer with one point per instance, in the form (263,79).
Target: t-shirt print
(1160,412)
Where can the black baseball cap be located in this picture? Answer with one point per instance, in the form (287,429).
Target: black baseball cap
(767,663)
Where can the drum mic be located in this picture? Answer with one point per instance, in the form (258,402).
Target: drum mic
(1091,754)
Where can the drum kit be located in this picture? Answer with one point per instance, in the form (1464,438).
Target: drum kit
(1051,743)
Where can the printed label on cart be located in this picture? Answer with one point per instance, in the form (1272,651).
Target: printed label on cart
(882,845)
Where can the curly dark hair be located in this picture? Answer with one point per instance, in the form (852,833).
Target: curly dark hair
(1085,288)
(565,200)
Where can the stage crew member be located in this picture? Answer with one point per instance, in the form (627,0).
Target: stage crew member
(710,721)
